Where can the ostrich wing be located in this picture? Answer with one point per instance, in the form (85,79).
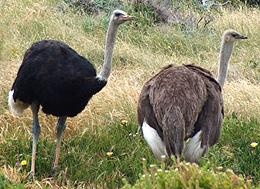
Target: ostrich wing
(211,116)
(145,111)
(145,108)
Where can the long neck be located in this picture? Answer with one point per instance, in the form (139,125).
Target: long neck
(109,48)
(225,54)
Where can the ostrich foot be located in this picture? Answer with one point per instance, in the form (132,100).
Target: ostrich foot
(31,176)
(54,171)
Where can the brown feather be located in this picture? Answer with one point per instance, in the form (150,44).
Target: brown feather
(178,102)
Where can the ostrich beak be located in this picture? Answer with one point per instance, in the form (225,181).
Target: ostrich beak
(126,18)
(241,37)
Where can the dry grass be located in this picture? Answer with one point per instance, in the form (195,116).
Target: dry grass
(241,98)
(27,21)
(16,176)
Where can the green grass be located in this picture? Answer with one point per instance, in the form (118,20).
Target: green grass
(234,150)
(143,47)
(5,183)
(84,157)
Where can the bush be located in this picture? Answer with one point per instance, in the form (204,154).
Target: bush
(251,2)
(94,7)
(186,175)
(236,2)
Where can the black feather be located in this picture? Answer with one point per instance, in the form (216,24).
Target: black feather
(57,77)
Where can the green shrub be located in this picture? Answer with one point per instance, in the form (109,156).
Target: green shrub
(186,175)
(249,2)
(94,7)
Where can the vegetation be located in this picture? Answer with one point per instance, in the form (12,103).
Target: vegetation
(252,2)
(108,124)
(188,176)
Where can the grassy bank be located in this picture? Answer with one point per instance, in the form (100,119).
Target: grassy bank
(142,48)
(85,159)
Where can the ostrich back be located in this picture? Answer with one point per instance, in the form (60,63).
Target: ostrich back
(57,77)
(188,89)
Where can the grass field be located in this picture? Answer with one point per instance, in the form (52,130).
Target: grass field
(109,122)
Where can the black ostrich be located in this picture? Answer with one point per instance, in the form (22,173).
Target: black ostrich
(56,77)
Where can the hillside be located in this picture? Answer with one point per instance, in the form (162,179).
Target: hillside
(109,122)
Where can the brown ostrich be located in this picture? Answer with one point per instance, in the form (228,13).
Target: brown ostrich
(184,104)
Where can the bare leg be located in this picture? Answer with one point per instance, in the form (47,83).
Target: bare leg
(60,130)
(36,133)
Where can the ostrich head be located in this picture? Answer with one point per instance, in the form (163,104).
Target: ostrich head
(118,17)
(228,39)
(230,36)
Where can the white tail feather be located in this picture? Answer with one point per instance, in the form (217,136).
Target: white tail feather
(16,108)
(193,150)
(154,141)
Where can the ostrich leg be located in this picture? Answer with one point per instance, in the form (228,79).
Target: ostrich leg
(36,133)
(60,130)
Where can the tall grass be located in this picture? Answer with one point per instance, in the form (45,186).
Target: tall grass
(143,47)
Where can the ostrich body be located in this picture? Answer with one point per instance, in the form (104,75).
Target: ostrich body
(185,104)
(56,77)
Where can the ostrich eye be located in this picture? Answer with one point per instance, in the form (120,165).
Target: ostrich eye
(118,14)
(234,35)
